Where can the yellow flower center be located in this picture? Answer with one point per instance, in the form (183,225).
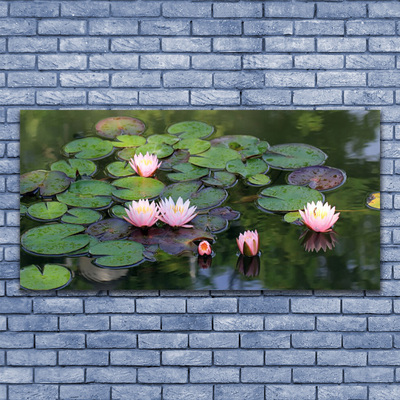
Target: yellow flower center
(176,209)
(320,213)
(204,246)
(143,209)
(147,162)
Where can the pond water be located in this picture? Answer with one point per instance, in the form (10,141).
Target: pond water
(349,138)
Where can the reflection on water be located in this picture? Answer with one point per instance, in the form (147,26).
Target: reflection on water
(350,260)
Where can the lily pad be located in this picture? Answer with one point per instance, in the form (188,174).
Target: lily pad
(49,210)
(118,211)
(49,183)
(128,141)
(161,150)
(178,157)
(187,172)
(246,145)
(89,148)
(165,138)
(50,277)
(87,194)
(225,213)
(251,167)
(23,209)
(82,216)
(75,166)
(191,130)
(117,253)
(293,217)
(259,180)
(215,158)
(320,177)
(374,201)
(193,146)
(110,229)
(119,169)
(210,223)
(293,155)
(112,127)
(136,188)
(220,179)
(54,239)
(288,197)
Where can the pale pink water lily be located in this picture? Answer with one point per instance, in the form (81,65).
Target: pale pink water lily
(204,248)
(142,213)
(316,241)
(319,217)
(145,165)
(178,214)
(248,243)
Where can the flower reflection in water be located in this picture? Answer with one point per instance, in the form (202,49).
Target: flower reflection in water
(248,266)
(316,241)
(204,262)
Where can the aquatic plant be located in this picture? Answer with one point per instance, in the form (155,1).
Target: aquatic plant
(248,243)
(204,248)
(142,213)
(319,217)
(176,214)
(145,165)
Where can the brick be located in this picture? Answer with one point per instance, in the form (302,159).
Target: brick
(84,323)
(238,392)
(186,357)
(135,44)
(289,323)
(290,392)
(247,10)
(60,375)
(85,9)
(238,357)
(87,45)
(33,392)
(156,98)
(129,9)
(370,61)
(342,78)
(164,61)
(370,27)
(194,45)
(187,323)
(320,340)
(19,26)
(83,357)
(109,306)
(90,391)
(31,45)
(215,97)
(341,323)
(381,392)
(384,78)
(162,375)
(212,305)
(368,374)
(288,10)
(127,97)
(214,375)
(318,27)
(384,44)
(15,306)
(135,322)
(345,392)
(325,306)
(113,61)
(179,392)
(366,306)
(135,357)
(185,79)
(262,375)
(60,340)
(289,79)
(386,323)
(367,341)
(136,392)
(264,305)
(83,79)
(182,9)
(165,28)
(110,340)
(317,375)
(64,97)
(368,97)
(263,96)
(321,96)
(110,375)
(241,323)
(341,45)
(61,61)
(288,44)
(216,27)
(57,306)
(319,61)
(163,340)
(344,11)
(61,27)
(16,375)
(36,9)
(214,340)
(17,61)
(16,340)
(237,45)
(113,26)
(136,79)
(384,357)
(342,358)
(290,357)
(381,10)
(262,340)
(268,27)
(31,357)
(216,62)
(32,322)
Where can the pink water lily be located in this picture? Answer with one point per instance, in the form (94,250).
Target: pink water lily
(319,217)
(178,214)
(204,248)
(248,243)
(145,165)
(142,213)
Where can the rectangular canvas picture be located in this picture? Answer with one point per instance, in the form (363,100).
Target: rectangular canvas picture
(200,200)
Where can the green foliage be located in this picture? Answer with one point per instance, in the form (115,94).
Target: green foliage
(51,276)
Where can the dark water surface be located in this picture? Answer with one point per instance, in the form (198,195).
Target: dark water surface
(351,141)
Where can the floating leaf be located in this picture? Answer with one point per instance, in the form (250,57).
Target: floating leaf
(48,210)
(112,127)
(319,177)
(117,253)
(374,201)
(193,146)
(191,130)
(220,179)
(187,172)
(179,157)
(110,229)
(161,150)
(210,223)
(252,167)
(293,155)
(166,139)
(293,217)
(48,182)
(288,198)
(119,168)
(82,216)
(128,141)
(215,157)
(259,180)
(226,213)
(54,239)
(84,251)
(73,166)
(118,211)
(87,194)
(89,148)
(247,146)
(23,209)
(50,277)
(137,187)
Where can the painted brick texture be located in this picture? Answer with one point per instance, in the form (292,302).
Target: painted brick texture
(200,54)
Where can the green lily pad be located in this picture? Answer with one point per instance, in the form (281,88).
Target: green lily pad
(136,188)
(165,138)
(118,211)
(49,183)
(187,172)
(82,216)
(110,229)
(191,130)
(84,251)
(288,197)
(193,146)
(259,180)
(293,217)
(112,127)
(128,141)
(178,157)
(119,169)
(49,210)
(293,155)
(54,239)
(215,158)
(202,198)
(246,145)
(319,177)
(73,166)
(87,194)
(225,212)
(50,277)
(220,179)
(23,209)
(117,253)
(210,223)
(374,201)
(161,150)
(251,167)
(89,148)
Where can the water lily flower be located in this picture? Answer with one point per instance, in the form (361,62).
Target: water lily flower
(204,248)
(319,217)
(178,214)
(142,213)
(248,243)
(145,165)
(248,266)
(316,241)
